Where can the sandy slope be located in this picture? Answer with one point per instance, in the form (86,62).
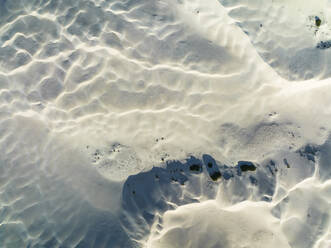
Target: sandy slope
(109,109)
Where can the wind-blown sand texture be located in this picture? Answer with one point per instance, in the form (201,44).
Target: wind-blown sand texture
(165,123)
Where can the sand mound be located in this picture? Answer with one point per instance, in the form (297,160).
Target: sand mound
(165,123)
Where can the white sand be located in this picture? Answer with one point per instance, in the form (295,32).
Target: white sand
(103,103)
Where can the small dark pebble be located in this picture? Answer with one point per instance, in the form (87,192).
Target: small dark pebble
(246,166)
(216,175)
(286,163)
(267,198)
(318,21)
(195,167)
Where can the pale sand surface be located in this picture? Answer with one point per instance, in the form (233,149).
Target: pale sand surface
(108,110)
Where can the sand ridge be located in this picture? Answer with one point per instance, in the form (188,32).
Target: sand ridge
(122,124)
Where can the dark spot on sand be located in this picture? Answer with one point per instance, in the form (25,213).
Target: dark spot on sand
(324,45)
(195,167)
(309,152)
(286,163)
(318,21)
(215,175)
(253,180)
(210,164)
(246,166)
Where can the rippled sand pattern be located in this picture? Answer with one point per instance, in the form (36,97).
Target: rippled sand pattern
(165,123)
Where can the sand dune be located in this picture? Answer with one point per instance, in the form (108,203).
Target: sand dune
(165,123)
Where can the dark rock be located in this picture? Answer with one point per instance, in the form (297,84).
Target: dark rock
(246,166)
(216,175)
(195,167)
(324,45)
(318,21)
